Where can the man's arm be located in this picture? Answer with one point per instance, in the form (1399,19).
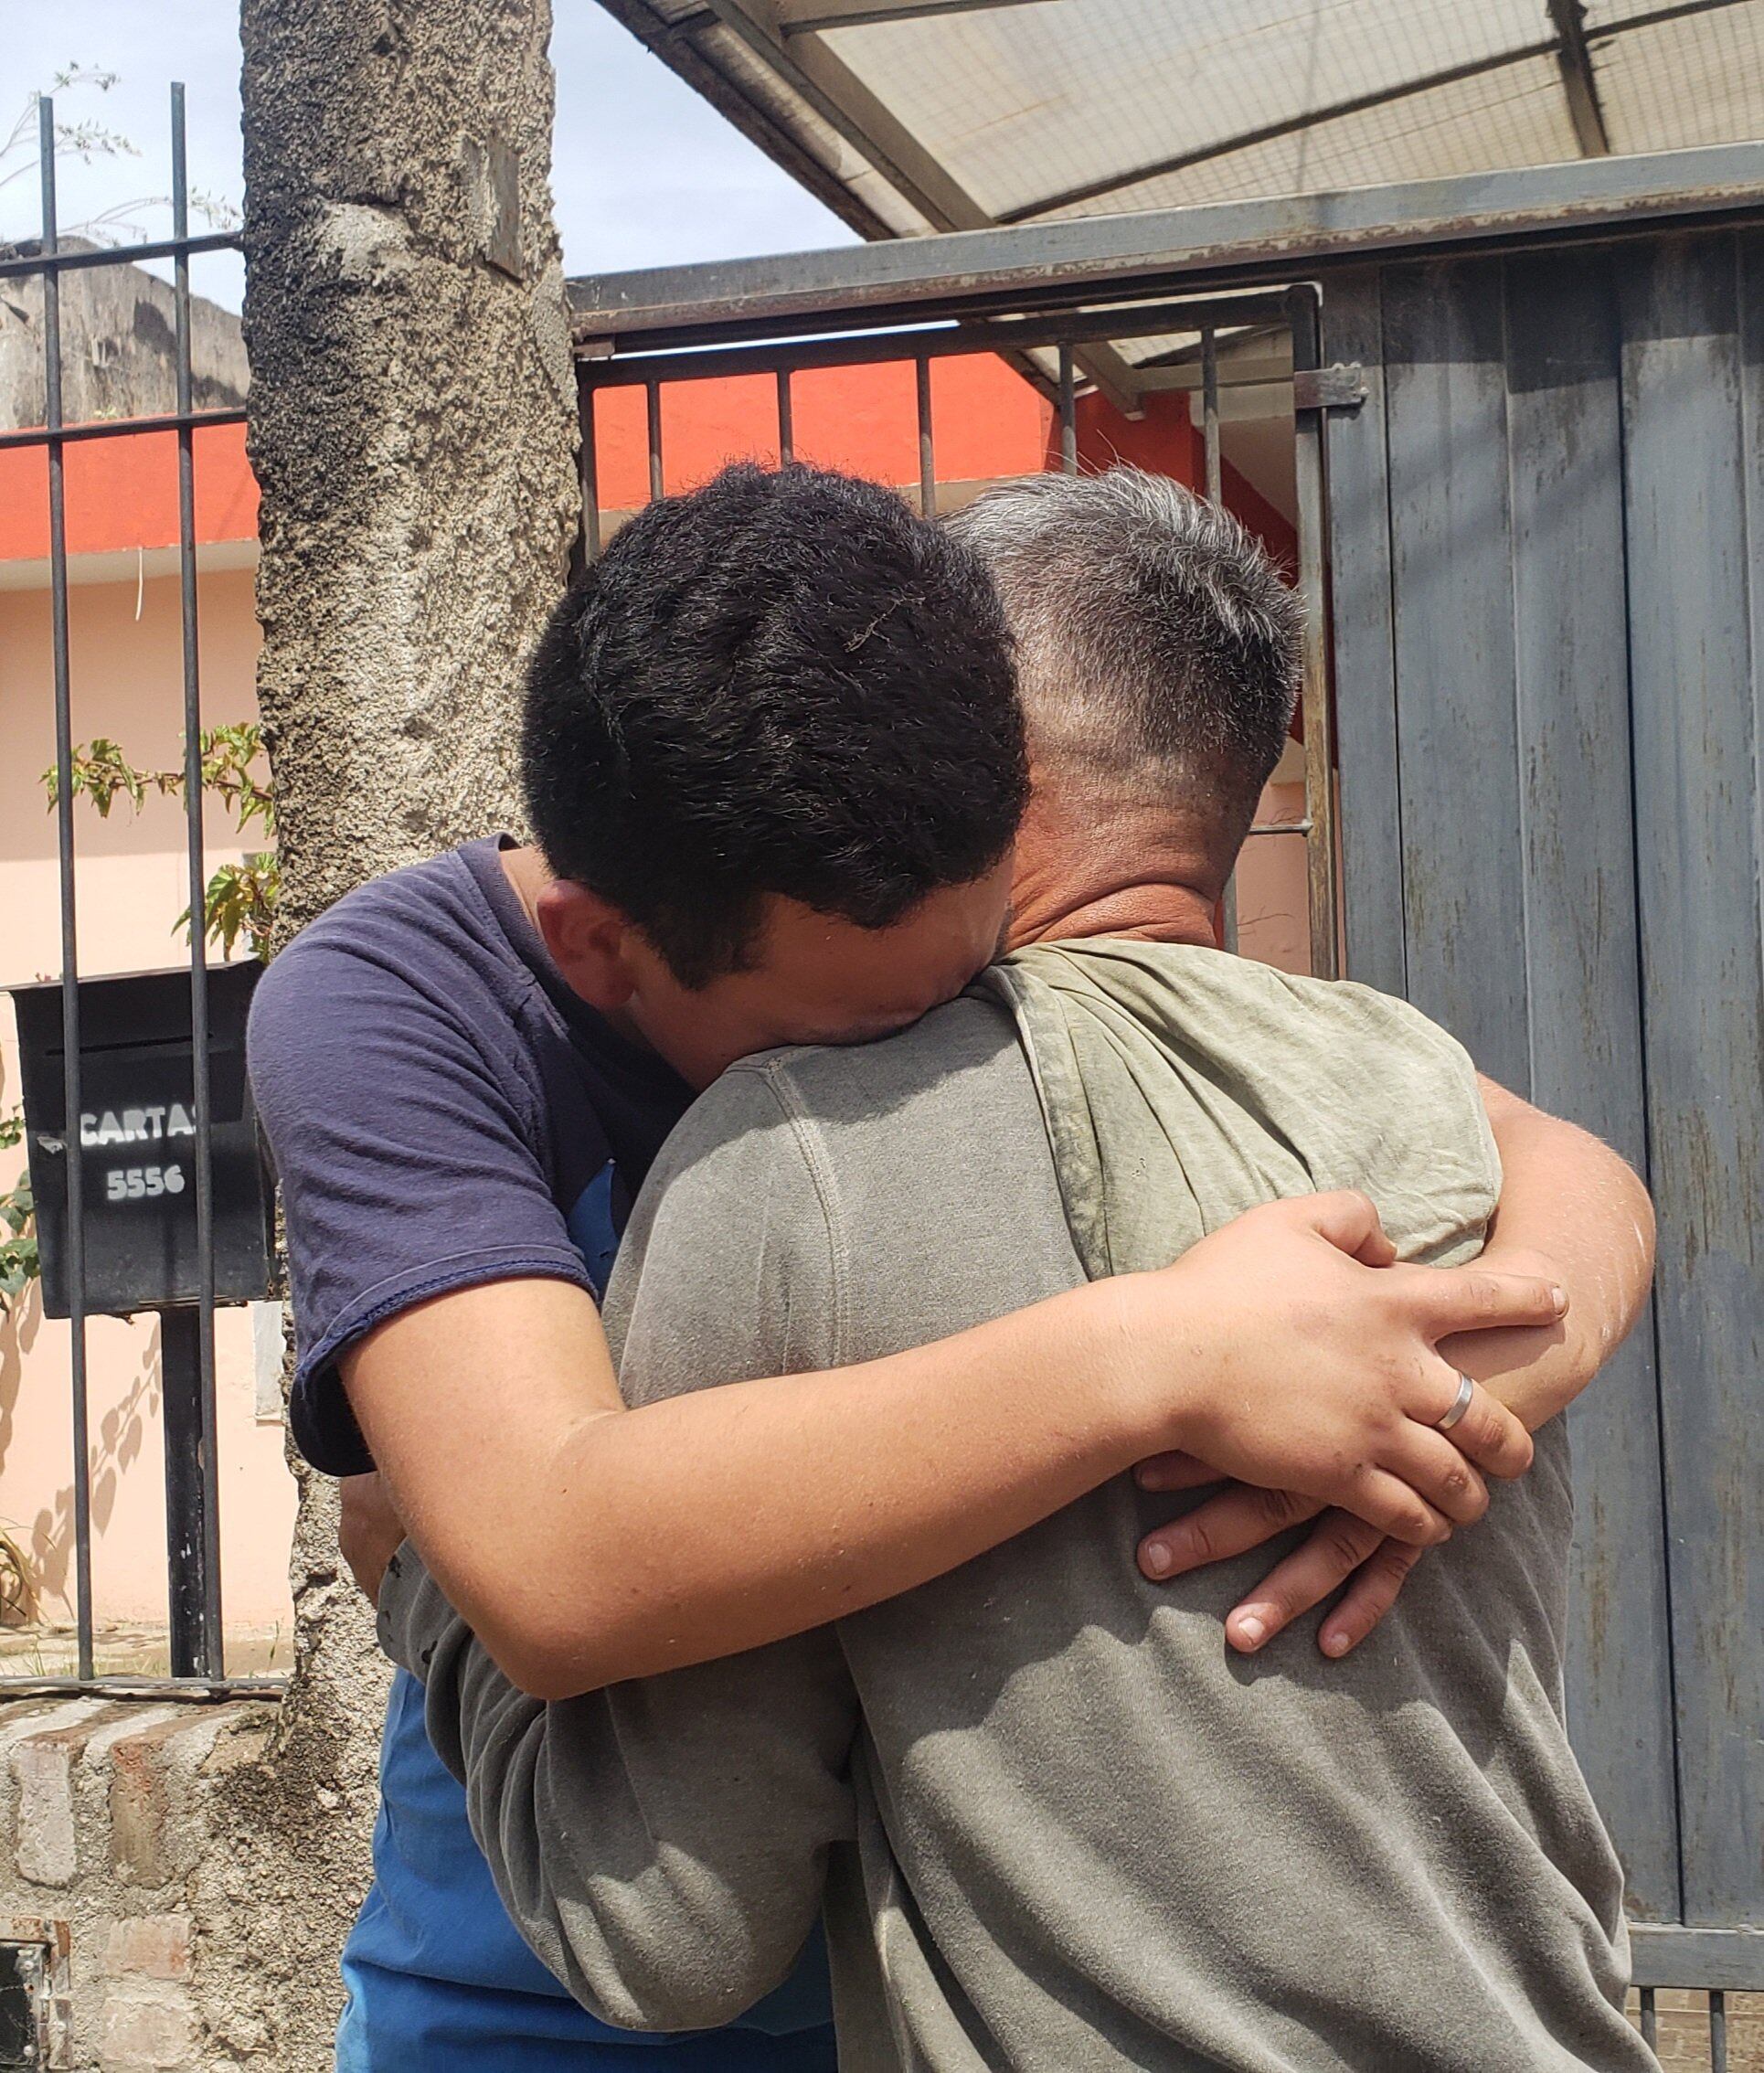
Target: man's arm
(433,1272)
(1570,1207)
(628,1542)
(660,1846)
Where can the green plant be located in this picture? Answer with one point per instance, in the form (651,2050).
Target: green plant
(240,901)
(18,1265)
(16,1593)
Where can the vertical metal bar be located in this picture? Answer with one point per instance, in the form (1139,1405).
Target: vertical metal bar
(652,393)
(188,1498)
(589,466)
(1210,373)
(207,1533)
(1650,2019)
(70,1075)
(1717,2031)
(1319,721)
(927,447)
(786,420)
(1068,414)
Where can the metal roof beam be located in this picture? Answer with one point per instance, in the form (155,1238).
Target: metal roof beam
(1151,250)
(676,43)
(1680,12)
(1578,85)
(809,18)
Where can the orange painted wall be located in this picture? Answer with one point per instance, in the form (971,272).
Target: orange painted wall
(987,421)
(122,492)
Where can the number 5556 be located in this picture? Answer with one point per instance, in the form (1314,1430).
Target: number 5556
(141,1183)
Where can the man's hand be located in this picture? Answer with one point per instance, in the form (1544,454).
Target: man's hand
(369,1531)
(1317,1371)
(1340,1548)
(1571,1211)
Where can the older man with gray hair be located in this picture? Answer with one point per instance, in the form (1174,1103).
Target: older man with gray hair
(1088,1834)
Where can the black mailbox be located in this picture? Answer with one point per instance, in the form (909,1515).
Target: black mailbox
(136,1140)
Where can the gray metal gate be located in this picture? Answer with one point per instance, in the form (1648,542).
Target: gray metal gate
(1545,506)
(1548,617)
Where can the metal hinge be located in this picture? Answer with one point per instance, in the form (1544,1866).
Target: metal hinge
(1329,388)
(35,2013)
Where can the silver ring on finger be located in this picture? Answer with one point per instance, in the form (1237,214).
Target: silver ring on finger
(1460,1405)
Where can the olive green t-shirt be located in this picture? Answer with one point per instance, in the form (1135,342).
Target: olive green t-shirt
(1088,1835)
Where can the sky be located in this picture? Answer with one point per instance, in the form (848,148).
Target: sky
(645,172)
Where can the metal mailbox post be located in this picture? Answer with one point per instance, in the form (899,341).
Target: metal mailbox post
(135,1145)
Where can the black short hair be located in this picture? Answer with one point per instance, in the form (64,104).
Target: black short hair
(783,682)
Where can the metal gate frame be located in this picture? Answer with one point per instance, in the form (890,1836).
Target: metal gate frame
(193,1523)
(1066,282)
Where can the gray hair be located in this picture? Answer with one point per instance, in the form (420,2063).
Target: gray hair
(1155,641)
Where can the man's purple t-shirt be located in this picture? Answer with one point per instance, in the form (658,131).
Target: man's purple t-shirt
(443,1110)
(441,1107)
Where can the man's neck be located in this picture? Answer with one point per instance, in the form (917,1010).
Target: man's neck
(1155,913)
(527,875)
(1086,873)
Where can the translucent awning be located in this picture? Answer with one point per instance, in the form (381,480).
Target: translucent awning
(911,115)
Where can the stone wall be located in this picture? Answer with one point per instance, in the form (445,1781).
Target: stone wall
(114,1813)
(175,1942)
(119,331)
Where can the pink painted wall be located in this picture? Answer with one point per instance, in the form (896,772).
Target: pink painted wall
(127,683)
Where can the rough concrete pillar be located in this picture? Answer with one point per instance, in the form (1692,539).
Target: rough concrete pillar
(413,430)
(414,417)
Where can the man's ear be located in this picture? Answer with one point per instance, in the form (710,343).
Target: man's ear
(589,940)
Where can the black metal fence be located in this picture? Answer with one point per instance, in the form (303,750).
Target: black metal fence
(178,1278)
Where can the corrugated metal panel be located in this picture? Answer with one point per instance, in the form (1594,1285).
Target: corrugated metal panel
(1513,117)
(1691,81)
(1026,102)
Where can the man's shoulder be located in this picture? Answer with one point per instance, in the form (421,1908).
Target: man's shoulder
(843,1202)
(962,1054)
(423,936)
(954,1085)
(432,904)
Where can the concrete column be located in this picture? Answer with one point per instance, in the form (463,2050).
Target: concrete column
(413,422)
(413,431)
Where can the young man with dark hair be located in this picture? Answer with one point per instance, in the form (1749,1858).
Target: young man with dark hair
(1087,1834)
(775,765)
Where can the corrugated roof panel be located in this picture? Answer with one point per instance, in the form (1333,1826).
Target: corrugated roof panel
(1516,116)
(1065,108)
(1697,80)
(1024,103)
(767,92)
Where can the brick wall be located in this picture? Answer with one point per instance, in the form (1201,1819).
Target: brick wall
(110,1815)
